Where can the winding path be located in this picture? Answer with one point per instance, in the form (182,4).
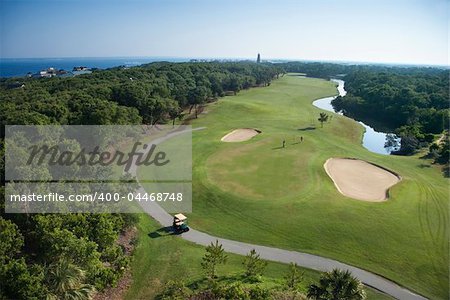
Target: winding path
(306,260)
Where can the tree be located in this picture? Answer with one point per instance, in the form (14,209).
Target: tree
(392,142)
(408,145)
(19,280)
(11,241)
(254,265)
(175,290)
(293,277)
(233,83)
(259,293)
(323,117)
(197,97)
(337,285)
(215,255)
(230,291)
(174,113)
(66,281)
(444,151)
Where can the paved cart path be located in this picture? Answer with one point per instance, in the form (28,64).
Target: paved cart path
(306,260)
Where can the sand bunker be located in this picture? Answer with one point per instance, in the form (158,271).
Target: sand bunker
(359,179)
(240,135)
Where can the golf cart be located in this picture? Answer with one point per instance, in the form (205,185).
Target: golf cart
(179,223)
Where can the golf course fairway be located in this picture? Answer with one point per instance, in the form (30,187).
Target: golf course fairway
(258,191)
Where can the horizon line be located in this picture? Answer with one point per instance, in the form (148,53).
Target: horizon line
(240,58)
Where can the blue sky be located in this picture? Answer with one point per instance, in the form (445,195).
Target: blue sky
(396,31)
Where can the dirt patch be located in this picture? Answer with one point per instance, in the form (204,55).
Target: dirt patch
(359,179)
(240,135)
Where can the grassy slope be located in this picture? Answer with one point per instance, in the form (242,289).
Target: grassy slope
(254,192)
(157,260)
(282,197)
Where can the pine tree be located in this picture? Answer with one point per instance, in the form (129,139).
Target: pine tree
(294,277)
(215,254)
(254,265)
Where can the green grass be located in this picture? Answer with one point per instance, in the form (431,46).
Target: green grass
(157,260)
(255,192)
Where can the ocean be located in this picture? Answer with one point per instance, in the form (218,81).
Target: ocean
(17,67)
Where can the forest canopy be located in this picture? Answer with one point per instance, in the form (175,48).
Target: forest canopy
(413,101)
(146,94)
(53,256)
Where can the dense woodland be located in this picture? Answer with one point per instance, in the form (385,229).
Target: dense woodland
(415,106)
(62,256)
(333,70)
(54,255)
(148,94)
(411,101)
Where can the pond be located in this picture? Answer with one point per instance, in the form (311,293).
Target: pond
(374,141)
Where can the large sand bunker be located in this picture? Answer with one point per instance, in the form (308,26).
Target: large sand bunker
(359,179)
(240,135)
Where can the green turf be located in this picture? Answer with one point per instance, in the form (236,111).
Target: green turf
(255,192)
(159,259)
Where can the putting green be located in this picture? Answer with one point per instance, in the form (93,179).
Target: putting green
(260,170)
(256,191)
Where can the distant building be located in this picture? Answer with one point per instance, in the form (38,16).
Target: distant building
(51,72)
(195,60)
(47,73)
(258,59)
(80,68)
(75,73)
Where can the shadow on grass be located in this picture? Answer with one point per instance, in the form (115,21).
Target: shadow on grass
(446,171)
(422,166)
(281,147)
(205,282)
(427,156)
(307,128)
(161,232)
(296,75)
